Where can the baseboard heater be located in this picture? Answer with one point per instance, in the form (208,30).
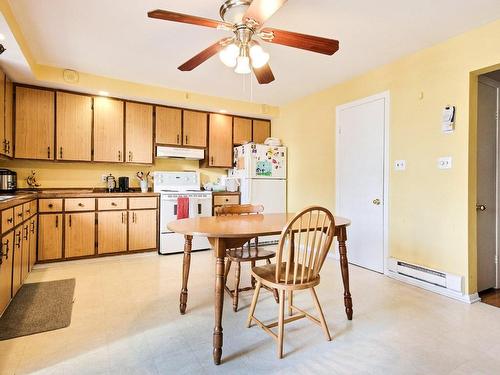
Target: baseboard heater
(434,279)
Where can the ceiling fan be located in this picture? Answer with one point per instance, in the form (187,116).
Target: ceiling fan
(245,18)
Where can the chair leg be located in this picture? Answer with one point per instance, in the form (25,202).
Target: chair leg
(281,324)
(254,303)
(290,302)
(321,316)
(252,280)
(237,286)
(275,291)
(228,267)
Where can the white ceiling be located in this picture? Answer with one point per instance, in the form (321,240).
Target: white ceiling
(116,39)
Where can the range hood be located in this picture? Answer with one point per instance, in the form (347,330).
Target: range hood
(180,153)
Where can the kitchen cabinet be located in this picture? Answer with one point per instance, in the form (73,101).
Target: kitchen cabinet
(8,145)
(261,130)
(25,250)
(7,220)
(220,144)
(224,199)
(112,232)
(3,149)
(33,236)
(194,128)
(6,258)
(34,120)
(168,123)
(138,133)
(50,229)
(108,129)
(74,127)
(142,229)
(17,261)
(242,130)
(79,234)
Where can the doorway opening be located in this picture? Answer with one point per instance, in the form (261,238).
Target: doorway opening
(488,185)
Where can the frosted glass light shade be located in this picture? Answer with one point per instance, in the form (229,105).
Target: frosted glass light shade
(229,54)
(243,65)
(259,57)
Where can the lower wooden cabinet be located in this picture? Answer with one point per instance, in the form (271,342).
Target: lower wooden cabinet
(18,258)
(79,234)
(50,237)
(25,250)
(111,232)
(142,227)
(33,236)
(6,258)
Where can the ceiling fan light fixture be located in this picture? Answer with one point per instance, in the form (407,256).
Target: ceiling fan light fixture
(258,56)
(243,65)
(229,54)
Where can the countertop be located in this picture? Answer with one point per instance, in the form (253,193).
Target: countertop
(23,196)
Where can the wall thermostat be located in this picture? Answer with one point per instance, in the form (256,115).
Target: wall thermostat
(448,124)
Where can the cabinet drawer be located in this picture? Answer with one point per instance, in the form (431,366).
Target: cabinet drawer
(220,200)
(27,210)
(34,207)
(79,204)
(106,204)
(7,219)
(50,205)
(18,215)
(137,203)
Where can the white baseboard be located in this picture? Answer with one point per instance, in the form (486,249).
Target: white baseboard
(467,298)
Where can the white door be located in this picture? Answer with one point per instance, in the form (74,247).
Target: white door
(486,186)
(360,178)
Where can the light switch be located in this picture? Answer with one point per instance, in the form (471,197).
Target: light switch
(444,162)
(399,165)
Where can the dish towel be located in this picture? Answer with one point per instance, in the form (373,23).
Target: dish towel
(182,208)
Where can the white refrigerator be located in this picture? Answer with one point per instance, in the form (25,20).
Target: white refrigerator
(262,173)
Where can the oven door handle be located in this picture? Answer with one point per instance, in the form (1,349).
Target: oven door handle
(175,209)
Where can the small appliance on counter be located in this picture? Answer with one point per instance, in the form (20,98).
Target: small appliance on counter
(110,183)
(8,180)
(123,186)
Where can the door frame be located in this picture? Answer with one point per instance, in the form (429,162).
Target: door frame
(385,199)
(495,84)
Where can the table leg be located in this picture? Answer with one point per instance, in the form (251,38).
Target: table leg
(342,237)
(186,263)
(220,252)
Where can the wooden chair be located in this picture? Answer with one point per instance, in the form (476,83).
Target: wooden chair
(243,254)
(302,249)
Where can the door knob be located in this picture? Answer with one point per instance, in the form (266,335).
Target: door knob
(480,207)
(376,202)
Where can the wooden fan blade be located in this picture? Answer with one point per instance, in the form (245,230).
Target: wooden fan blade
(264,74)
(261,10)
(303,41)
(203,55)
(186,18)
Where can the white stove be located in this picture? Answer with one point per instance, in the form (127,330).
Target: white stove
(171,186)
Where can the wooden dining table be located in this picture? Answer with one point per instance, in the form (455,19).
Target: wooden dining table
(228,232)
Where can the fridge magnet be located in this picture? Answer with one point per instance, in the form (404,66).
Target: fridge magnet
(264,168)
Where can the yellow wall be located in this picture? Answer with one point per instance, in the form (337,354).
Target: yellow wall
(429,208)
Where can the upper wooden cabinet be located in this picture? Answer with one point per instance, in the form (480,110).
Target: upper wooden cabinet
(261,130)
(168,126)
(242,130)
(195,129)
(3,148)
(34,123)
(74,127)
(220,143)
(108,130)
(8,145)
(139,133)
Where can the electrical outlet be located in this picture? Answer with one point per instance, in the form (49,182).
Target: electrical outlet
(444,162)
(399,165)
(103,177)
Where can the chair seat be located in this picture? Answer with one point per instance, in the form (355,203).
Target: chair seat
(249,255)
(267,275)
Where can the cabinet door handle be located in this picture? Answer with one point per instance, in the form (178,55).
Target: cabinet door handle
(113,204)
(20,214)
(26,229)
(5,151)
(123,217)
(6,253)
(80,204)
(187,140)
(48,152)
(69,221)
(18,236)
(57,221)
(32,229)
(134,218)
(178,136)
(60,152)
(8,147)
(10,220)
(211,160)
(119,155)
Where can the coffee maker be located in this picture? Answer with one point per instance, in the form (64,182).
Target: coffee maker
(123,184)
